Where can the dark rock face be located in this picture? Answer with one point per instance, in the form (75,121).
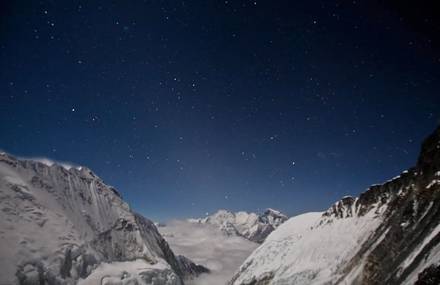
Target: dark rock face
(342,209)
(263,280)
(400,245)
(261,233)
(272,217)
(413,212)
(429,276)
(268,222)
(429,159)
(190,268)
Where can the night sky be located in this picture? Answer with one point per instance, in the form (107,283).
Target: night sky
(191,106)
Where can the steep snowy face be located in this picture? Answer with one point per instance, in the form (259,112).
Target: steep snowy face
(248,225)
(63,224)
(390,234)
(273,217)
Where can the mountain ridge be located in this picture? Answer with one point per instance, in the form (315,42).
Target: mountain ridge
(252,226)
(61,225)
(390,234)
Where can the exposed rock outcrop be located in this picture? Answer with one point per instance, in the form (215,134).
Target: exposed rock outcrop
(390,234)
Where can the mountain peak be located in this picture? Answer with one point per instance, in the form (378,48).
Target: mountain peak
(429,158)
(378,195)
(251,226)
(390,234)
(270,211)
(61,223)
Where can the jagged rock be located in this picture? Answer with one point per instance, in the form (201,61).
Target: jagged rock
(248,225)
(190,268)
(60,224)
(429,276)
(390,234)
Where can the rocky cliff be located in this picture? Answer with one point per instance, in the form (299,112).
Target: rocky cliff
(63,225)
(390,234)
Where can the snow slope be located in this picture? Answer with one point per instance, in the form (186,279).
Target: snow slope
(138,271)
(389,235)
(311,248)
(59,224)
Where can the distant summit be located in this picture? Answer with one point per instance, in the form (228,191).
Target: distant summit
(251,226)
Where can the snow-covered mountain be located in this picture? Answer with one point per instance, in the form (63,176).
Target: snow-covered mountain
(64,225)
(251,226)
(390,234)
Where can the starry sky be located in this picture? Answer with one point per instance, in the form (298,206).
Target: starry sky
(191,106)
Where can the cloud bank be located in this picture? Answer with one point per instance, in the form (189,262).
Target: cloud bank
(208,246)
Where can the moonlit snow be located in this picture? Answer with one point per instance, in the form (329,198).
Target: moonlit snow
(131,272)
(61,224)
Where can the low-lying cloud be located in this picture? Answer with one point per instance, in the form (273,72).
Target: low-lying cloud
(208,246)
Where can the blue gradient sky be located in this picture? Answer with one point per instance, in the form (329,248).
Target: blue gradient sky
(187,107)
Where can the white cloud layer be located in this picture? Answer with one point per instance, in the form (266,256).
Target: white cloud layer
(208,246)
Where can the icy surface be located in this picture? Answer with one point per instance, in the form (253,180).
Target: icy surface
(132,272)
(307,249)
(60,223)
